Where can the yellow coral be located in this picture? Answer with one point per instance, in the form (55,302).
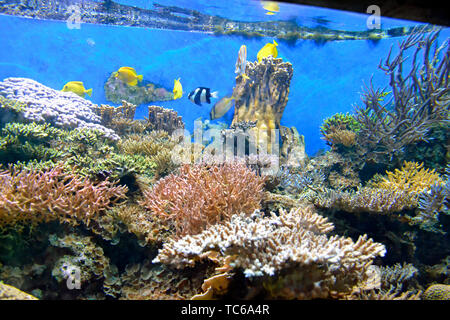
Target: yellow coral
(437,292)
(411,178)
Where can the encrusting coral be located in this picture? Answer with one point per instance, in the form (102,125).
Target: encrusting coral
(437,292)
(32,197)
(292,243)
(199,196)
(263,97)
(86,256)
(44,104)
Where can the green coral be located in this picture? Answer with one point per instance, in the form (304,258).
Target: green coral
(12,105)
(340,121)
(24,142)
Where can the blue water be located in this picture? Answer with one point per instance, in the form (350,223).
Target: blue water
(327,79)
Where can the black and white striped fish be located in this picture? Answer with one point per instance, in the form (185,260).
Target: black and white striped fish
(202,94)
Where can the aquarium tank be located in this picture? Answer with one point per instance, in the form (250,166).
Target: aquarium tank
(217,150)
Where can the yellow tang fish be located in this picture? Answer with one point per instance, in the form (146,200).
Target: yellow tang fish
(177,89)
(128,75)
(270,49)
(270,6)
(76,87)
(221,107)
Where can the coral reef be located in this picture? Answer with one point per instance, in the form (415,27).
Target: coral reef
(199,196)
(291,244)
(366,200)
(86,257)
(340,130)
(418,101)
(292,148)
(8,292)
(437,292)
(33,197)
(157,145)
(160,118)
(263,97)
(116,90)
(411,178)
(43,104)
(121,118)
(433,201)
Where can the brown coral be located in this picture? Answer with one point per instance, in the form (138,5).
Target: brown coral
(200,195)
(346,138)
(160,118)
(41,196)
(263,97)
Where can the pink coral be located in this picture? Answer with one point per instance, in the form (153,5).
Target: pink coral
(200,196)
(41,196)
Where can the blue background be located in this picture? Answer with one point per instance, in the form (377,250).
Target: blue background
(327,78)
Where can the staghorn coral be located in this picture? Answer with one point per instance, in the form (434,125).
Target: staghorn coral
(62,109)
(160,118)
(398,275)
(263,97)
(391,294)
(200,195)
(33,197)
(24,142)
(419,100)
(366,200)
(292,244)
(411,178)
(437,292)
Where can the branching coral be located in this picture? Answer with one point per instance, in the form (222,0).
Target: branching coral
(411,178)
(160,118)
(199,195)
(157,145)
(432,202)
(366,200)
(33,197)
(23,142)
(292,243)
(419,100)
